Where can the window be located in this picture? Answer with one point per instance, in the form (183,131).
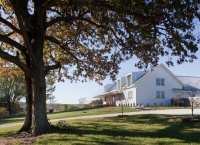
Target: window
(157,94)
(160,94)
(130,94)
(157,82)
(128,80)
(160,81)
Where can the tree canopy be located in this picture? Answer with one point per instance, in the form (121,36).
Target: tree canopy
(87,39)
(92,37)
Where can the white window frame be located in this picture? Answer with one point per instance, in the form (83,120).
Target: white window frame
(160,82)
(157,82)
(130,94)
(160,94)
(129,80)
(157,94)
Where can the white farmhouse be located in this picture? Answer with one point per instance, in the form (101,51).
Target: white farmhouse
(156,86)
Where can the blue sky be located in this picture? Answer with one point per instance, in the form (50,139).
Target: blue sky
(69,93)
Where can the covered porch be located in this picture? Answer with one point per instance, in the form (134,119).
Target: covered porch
(110,98)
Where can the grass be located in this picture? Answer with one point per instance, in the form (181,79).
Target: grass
(64,114)
(6,131)
(170,107)
(11,119)
(130,130)
(85,112)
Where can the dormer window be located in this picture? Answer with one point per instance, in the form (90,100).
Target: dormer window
(129,80)
(118,84)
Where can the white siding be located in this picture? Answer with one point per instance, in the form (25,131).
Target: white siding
(121,82)
(130,101)
(129,79)
(146,87)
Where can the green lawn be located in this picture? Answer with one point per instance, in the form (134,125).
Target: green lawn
(12,119)
(170,107)
(80,112)
(130,130)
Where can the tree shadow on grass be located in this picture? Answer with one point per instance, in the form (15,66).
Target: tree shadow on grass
(122,130)
(11,119)
(75,110)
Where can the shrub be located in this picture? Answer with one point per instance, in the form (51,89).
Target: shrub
(65,107)
(3,111)
(97,102)
(70,107)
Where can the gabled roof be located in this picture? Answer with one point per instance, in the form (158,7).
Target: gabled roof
(187,82)
(165,68)
(114,87)
(138,75)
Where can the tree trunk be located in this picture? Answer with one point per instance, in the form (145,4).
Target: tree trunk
(10,110)
(28,118)
(40,122)
(192,110)
(122,109)
(9,105)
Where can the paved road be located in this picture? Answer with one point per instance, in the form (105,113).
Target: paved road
(169,112)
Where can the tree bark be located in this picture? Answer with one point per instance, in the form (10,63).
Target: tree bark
(192,110)
(28,118)
(9,107)
(40,122)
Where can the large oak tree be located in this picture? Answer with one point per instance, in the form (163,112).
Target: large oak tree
(87,39)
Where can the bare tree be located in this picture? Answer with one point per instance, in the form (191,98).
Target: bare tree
(178,100)
(82,101)
(154,100)
(194,101)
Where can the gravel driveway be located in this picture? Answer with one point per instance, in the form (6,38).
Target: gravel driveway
(169,112)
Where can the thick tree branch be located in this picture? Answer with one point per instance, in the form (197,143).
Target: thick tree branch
(10,25)
(60,19)
(69,18)
(55,11)
(48,4)
(22,28)
(52,67)
(16,61)
(66,19)
(12,43)
(54,40)
(100,26)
